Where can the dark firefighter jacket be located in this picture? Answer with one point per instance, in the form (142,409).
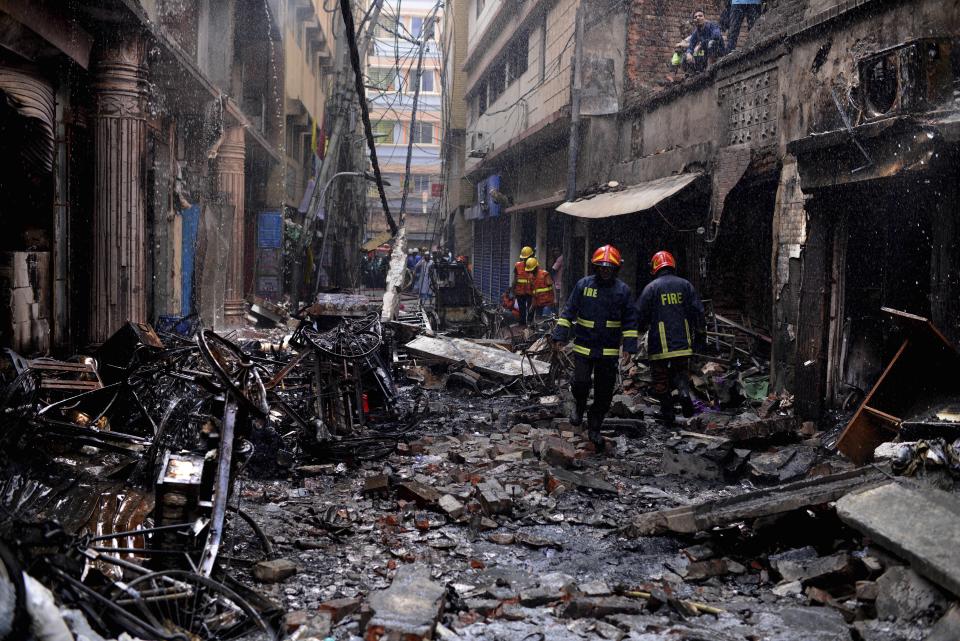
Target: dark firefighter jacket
(601,316)
(671,309)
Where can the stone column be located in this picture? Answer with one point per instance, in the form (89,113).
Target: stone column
(119,273)
(230,183)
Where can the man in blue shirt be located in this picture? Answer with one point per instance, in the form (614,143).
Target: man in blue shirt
(706,41)
(740,9)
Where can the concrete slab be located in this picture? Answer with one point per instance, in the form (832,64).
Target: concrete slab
(919,525)
(488,360)
(409,608)
(775,500)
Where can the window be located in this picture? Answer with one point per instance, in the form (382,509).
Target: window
(517,57)
(497,80)
(421,184)
(480,4)
(416,26)
(422,133)
(383,79)
(426,82)
(543,50)
(482,99)
(386,26)
(383,132)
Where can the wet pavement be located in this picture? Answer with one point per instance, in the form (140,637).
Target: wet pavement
(544,558)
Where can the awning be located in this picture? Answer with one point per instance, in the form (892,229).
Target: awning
(630,200)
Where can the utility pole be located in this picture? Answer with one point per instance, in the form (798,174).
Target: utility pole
(576,85)
(331,163)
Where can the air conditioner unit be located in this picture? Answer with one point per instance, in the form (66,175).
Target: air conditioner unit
(913,77)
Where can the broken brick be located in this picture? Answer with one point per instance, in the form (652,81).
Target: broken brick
(451,506)
(423,495)
(274,571)
(493,498)
(379,484)
(558,452)
(340,608)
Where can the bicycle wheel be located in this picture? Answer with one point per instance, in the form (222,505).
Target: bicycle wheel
(235,371)
(13,598)
(198,608)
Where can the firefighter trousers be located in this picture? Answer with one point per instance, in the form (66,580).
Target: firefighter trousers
(672,374)
(604,377)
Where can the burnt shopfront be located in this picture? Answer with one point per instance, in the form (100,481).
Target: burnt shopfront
(882,232)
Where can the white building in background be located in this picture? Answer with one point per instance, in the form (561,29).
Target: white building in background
(391,72)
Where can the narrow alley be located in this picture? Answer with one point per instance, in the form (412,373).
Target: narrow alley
(480,320)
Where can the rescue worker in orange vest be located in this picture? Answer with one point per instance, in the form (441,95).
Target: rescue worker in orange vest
(670,307)
(602,315)
(543,296)
(523,284)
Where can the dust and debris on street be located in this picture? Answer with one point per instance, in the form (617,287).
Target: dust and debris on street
(479,320)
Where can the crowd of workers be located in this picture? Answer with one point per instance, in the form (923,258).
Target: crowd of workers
(705,44)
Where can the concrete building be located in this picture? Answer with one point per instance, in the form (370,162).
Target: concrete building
(151,136)
(457,190)
(310,47)
(796,157)
(392,62)
(518,133)
(804,181)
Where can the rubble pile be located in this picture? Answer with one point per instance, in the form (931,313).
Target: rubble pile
(352,480)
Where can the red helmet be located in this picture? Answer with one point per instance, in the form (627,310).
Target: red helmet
(660,260)
(606,256)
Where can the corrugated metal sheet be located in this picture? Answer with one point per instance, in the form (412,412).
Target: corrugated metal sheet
(630,200)
(33,98)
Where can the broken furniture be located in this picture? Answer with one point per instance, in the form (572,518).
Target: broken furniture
(920,376)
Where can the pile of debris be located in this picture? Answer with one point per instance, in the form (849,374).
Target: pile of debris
(120,467)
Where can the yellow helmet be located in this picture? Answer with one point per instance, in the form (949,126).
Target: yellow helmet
(531,264)
(526,252)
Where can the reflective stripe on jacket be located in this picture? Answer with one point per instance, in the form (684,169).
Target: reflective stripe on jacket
(601,316)
(670,307)
(522,280)
(543,295)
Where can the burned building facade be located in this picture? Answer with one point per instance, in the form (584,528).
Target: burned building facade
(145,140)
(805,180)
(827,158)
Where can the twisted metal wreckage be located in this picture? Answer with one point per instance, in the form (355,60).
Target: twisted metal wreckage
(122,495)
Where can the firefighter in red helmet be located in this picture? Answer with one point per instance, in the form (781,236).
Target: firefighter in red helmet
(671,309)
(601,316)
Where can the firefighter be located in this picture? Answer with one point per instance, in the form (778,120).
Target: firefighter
(670,307)
(523,284)
(601,314)
(542,283)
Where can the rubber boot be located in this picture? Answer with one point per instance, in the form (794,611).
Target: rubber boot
(594,424)
(667,414)
(576,416)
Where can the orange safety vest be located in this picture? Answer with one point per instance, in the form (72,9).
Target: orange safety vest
(523,280)
(543,295)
